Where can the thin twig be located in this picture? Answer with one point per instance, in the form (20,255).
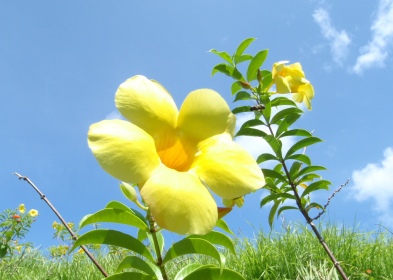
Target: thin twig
(74,237)
(329,199)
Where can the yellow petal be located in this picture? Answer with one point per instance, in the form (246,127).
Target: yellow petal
(282,85)
(226,168)
(147,104)
(179,202)
(123,150)
(204,113)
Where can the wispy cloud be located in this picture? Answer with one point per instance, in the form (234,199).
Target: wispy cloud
(375,52)
(113,115)
(375,182)
(339,40)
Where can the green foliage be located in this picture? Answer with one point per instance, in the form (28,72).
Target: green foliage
(272,121)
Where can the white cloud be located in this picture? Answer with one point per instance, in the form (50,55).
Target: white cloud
(339,40)
(114,116)
(375,182)
(375,52)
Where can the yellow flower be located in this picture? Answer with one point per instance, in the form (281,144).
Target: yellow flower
(291,79)
(174,155)
(33,213)
(18,248)
(22,208)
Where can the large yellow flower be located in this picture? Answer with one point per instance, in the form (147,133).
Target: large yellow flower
(174,155)
(291,79)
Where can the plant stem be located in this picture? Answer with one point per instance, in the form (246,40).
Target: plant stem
(74,237)
(153,231)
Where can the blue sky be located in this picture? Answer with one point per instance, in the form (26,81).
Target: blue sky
(62,61)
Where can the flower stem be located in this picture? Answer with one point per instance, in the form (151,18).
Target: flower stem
(153,231)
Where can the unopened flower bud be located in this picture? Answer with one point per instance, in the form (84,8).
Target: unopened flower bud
(129,191)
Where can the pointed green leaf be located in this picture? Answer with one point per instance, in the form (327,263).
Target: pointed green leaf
(296,132)
(242,95)
(283,101)
(236,86)
(248,131)
(251,123)
(283,113)
(273,174)
(286,208)
(281,196)
(273,211)
(211,273)
(282,129)
(223,55)
(130,275)
(294,169)
(266,157)
(110,215)
(314,205)
(244,57)
(322,184)
(301,157)
(241,109)
(160,240)
(266,80)
(188,269)
(228,70)
(275,144)
(268,109)
(255,63)
(302,144)
(217,238)
(118,205)
(115,238)
(136,262)
(193,246)
(308,178)
(241,48)
(224,226)
(308,169)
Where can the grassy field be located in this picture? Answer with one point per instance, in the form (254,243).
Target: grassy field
(291,255)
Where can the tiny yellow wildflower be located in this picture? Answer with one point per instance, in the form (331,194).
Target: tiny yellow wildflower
(22,208)
(33,213)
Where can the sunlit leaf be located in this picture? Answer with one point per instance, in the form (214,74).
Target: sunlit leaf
(251,123)
(283,113)
(255,63)
(266,80)
(115,238)
(193,246)
(110,215)
(223,55)
(236,86)
(296,132)
(275,144)
(265,157)
(142,235)
(309,169)
(210,273)
(302,144)
(136,262)
(241,109)
(248,131)
(313,205)
(228,70)
(276,196)
(241,48)
(284,208)
(308,178)
(188,269)
(242,95)
(282,129)
(301,157)
(244,57)
(273,174)
(119,205)
(224,226)
(160,240)
(283,101)
(268,109)
(130,275)
(272,212)
(322,184)
(294,169)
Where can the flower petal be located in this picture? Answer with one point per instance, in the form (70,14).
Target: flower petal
(147,104)
(179,202)
(226,168)
(204,113)
(123,150)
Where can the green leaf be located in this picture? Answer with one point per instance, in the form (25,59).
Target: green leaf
(241,109)
(273,211)
(224,226)
(294,169)
(281,196)
(236,86)
(241,48)
(242,95)
(266,80)
(188,269)
(193,246)
(283,113)
(251,123)
(309,169)
(285,124)
(284,208)
(273,174)
(115,238)
(248,131)
(322,184)
(3,250)
(308,178)
(119,205)
(136,262)
(223,55)
(217,238)
(275,144)
(314,205)
(302,144)
(255,63)
(228,70)
(130,275)
(110,215)
(212,273)
(244,57)
(265,157)
(268,108)
(301,157)
(160,240)
(296,132)
(283,101)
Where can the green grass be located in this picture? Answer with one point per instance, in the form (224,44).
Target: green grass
(290,255)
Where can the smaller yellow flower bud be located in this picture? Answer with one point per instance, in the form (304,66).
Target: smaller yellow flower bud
(129,191)
(22,208)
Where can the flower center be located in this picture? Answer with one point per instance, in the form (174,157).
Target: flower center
(176,153)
